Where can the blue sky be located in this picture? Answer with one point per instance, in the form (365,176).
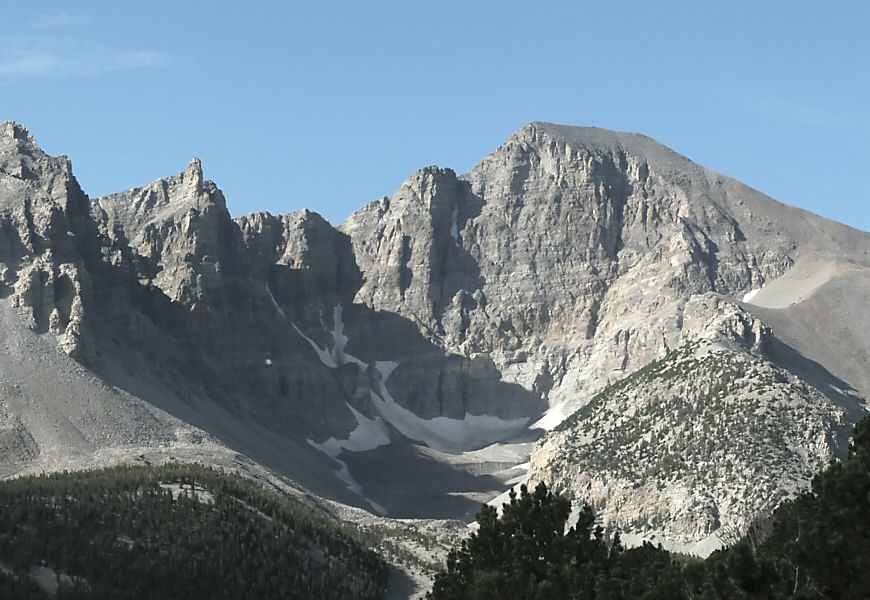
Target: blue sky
(330,105)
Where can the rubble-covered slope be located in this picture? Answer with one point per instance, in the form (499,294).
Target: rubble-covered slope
(691,448)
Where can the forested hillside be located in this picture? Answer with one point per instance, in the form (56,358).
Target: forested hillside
(177,531)
(812,547)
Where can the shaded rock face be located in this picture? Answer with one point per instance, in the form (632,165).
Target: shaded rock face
(180,232)
(199,298)
(408,246)
(160,287)
(461,311)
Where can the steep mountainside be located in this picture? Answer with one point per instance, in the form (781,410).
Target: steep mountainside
(567,253)
(407,361)
(689,449)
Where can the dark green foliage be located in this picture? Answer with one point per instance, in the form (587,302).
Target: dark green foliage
(127,533)
(813,547)
(20,588)
(529,554)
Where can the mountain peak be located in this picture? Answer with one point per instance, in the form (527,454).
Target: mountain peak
(582,134)
(461,312)
(15,140)
(193,175)
(14,130)
(597,139)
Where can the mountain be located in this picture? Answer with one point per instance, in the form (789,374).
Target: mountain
(413,360)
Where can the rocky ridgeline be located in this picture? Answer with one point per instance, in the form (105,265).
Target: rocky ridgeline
(460,311)
(43,237)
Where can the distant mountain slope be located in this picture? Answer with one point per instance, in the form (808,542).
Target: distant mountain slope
(819,308)
(406,361)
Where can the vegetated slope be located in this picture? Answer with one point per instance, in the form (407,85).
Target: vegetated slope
(811,547)
(688,450)
(174,532)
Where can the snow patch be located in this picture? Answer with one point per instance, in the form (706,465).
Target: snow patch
(352,484)
(521,478)
(505,497)
(274,302)
(340,340)
(325,357)
(454,220)
(338,336)
(750,295)
(551,419)
(367,435)
(337,356)
(441,433)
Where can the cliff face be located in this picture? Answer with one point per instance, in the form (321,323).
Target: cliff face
(440,331)
(46,244)
(567,254)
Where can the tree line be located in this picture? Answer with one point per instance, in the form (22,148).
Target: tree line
(811,547)
(175,531)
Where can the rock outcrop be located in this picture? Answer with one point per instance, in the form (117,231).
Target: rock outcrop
(45,241)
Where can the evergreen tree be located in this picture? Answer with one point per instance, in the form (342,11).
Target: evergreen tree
(812,547)
(121,534)
(530,553)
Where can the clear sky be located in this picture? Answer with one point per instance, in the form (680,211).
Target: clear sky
(330,105)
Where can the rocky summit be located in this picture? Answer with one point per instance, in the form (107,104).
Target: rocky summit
(585,307)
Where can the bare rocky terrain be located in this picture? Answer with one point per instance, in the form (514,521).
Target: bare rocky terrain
(584,307)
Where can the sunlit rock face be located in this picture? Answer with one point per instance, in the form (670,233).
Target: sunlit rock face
(567,255)
(440,331)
